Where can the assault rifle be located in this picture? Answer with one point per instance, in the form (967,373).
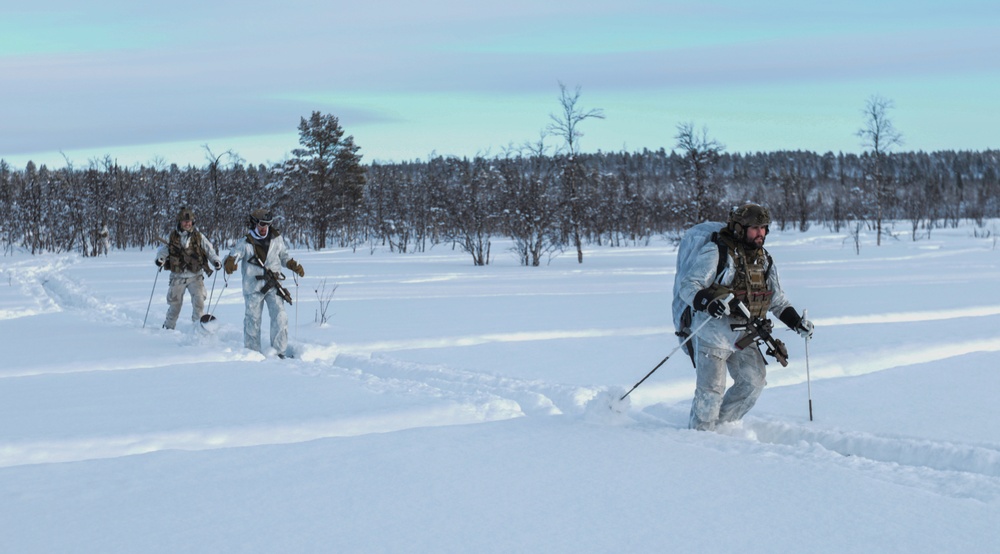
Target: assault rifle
(272,280)
(759,329)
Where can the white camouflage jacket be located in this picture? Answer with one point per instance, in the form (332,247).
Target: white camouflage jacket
(277,257)
(700,274)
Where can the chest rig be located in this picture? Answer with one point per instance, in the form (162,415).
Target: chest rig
(752,267)
(192,258)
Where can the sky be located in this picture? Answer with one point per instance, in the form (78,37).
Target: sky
(147,83)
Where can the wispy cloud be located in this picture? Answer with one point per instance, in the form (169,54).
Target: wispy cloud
(113,72)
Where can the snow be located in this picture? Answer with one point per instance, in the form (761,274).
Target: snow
(453,408)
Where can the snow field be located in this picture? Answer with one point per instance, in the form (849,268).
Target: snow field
(451,408)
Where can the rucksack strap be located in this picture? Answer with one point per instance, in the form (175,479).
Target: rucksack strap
(723,253)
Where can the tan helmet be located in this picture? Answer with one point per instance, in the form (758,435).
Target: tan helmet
(260,216)
(748,215)
(185,215)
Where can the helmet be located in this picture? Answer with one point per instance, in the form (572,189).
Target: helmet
(260,216)
(748,215)
(185,215)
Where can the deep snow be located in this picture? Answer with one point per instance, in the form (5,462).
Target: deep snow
(453,408)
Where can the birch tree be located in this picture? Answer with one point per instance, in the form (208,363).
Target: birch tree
(879,136)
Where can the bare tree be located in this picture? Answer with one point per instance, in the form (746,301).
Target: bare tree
(7,208)
(219,199)
(700,156)
(471,206)
(575,193)
(880,136)
(565,124)
(527,201)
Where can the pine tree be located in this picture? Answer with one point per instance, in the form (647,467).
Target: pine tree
(328,170)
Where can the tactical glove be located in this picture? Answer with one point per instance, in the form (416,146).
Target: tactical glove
(718,308)
(797,323)
(805,329)
(294,266)
(714,300)
(230,265)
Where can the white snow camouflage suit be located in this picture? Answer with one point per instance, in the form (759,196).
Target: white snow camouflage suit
(715,350)
(277,257)
(185,278)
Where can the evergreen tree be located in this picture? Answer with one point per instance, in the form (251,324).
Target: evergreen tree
(327,171)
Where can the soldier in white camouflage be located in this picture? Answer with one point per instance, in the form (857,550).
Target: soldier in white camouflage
(748,273)
(263,253)
(189,256)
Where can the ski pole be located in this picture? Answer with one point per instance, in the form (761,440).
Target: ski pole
(212,293)
(808,380)
(151,296)
(296,279)
(676,348)
(209,317)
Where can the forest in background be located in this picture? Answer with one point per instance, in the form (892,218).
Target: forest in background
(544,203)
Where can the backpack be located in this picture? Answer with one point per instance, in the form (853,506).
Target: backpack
(694,239)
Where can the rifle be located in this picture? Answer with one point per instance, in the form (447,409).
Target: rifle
(271,280)
(759,329)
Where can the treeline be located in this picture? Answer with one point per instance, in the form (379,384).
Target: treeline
(543,204)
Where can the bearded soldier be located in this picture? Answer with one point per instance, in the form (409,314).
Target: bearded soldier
(187,254)
(749,275)
(263,254)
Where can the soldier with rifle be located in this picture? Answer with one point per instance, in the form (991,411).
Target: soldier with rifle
(263,253)
(729,342)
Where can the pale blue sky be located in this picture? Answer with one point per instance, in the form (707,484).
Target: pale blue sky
(156,82)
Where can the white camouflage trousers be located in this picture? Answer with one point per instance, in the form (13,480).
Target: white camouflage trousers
(710,406)
(252,319)
(175,298)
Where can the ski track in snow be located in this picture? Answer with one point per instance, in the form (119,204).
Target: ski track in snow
(35,452)
(486,338)
(32,279)
(844,365)
(948,468)
(52,291)
(318,352)
(518,397)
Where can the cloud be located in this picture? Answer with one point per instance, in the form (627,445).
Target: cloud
(117,73)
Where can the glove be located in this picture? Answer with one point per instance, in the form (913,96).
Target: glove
(718,308)
(230,265)
(296,267)
(217,265)
(159,262)
(714,300)
(797,323)
(805,329)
